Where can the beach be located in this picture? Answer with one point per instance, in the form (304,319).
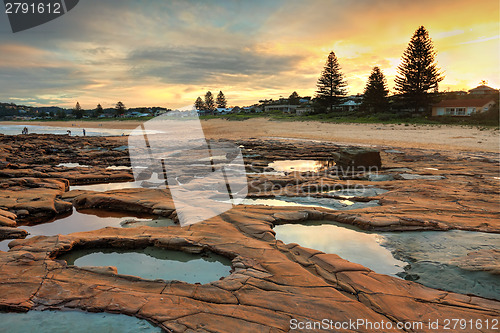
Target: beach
(443,137)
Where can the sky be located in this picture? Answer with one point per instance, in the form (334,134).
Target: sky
(167,53)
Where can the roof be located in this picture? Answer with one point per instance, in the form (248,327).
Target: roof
(476,102)
(350,103)
(483,88)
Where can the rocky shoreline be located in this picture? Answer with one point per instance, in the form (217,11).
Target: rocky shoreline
(271,282)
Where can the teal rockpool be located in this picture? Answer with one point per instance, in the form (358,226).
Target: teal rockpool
(154,263)
(72,321)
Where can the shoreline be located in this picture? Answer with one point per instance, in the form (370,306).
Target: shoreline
(441,137)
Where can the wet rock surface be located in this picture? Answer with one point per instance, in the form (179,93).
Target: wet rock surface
(482,260)
(271,282)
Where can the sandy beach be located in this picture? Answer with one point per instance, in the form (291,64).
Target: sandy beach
(443,137)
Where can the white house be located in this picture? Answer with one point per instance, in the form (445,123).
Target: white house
(349,105)
(462,107)
(285,108)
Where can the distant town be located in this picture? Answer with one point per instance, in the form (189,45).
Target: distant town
(456,104)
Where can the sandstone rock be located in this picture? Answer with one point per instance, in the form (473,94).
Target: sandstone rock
(8,233)
(358,157)
(22,212)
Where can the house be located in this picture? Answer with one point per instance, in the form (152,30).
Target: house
(483,90)
(285,108)
(304,109)
(349,105)
(462,107)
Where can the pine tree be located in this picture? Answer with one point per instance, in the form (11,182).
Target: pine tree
(209,102)
(331,84)
(376,91)
(78,112)
(221,100)
(418,72)
(120,108)
(199,104)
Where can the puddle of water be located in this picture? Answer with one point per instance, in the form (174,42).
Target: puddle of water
(155,263)
(119,167)
(422,256)
(88,220)
(153,182)
(327,202)
(83,220)
(358,192)
(356,246)
(411,176)
(72,321)
(107,186)
(380,178)
(157,223)
(72,165)
(300,165)
(308,202)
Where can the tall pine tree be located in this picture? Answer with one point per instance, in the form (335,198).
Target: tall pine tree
(418,72)
(77,111)
(221,100)
(375,94)
(209,102)
(199,104)
(331,84)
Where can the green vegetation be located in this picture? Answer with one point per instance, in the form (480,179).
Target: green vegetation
(488,119)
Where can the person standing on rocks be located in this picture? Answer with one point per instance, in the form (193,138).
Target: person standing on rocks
(69,132)
(84,133)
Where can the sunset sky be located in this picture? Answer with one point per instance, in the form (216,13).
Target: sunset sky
(167,53)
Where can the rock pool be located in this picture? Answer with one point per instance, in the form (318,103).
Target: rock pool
(155,263)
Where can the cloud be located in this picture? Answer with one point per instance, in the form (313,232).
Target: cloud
(480,40)
(168,52)
(205,65)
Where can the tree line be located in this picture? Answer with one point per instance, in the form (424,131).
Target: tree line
(78,112)
(209,104)
(417,75)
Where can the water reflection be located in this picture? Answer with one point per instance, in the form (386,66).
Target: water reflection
(107,186)
(356,246)
(82,220)
(88,220)
(329,203)
(301,165)
(427,257)
(155,263)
